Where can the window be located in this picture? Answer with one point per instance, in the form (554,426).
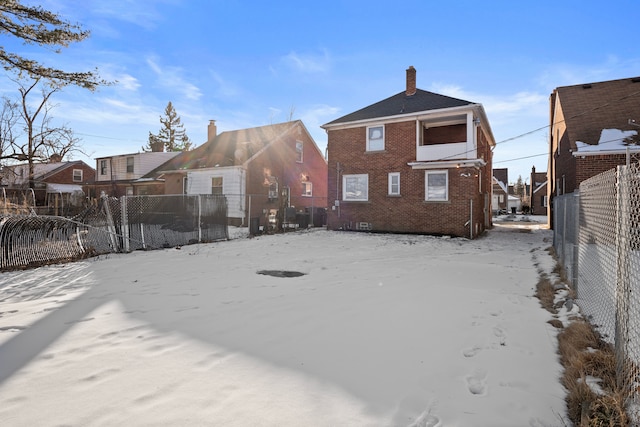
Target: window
(299,147)
(307,189)
(501,198)
(77,175)
(355,187)
(394,184)
(185,185)
(129,164)
(437,186)
(216,185)
(375,138)
(273,187)
(129,191)
(544,201)
(103,167)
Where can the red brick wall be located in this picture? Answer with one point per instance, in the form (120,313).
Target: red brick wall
(593,165)
(65,176)
(279,160)
(409,212)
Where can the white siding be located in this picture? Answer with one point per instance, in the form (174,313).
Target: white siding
(143,163)
(233,186)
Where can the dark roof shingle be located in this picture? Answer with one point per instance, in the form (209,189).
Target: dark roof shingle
(400,103)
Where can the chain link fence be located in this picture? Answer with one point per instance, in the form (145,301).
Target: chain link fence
(597,239)
(113,225)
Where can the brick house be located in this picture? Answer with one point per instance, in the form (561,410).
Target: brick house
(55,184)
(537,192)
(125,174)
(500,190)
(592,129)
(265,172)
(416,162)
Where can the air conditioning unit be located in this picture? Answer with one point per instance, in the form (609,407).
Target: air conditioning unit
(365,226)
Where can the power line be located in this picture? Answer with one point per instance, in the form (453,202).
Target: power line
(545,127)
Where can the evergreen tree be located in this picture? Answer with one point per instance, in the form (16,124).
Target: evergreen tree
(519,187)
(35,25)
(172,135)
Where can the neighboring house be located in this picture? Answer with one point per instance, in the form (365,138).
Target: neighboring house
(514,204)
(124,175)
(500,194)
(54,184)
(594,128)
(537,192)
(262,171)
(416,162)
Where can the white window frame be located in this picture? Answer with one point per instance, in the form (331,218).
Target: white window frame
(103,167)
(545,200)
(299,152)
(360,180)
(429,196)
(307,189)
(130,167)
(214,180)
(370,141)
(391,191)
(77,175)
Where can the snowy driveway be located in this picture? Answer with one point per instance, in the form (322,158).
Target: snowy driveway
(381,330)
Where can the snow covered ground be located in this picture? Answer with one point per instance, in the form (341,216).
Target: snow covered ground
(381,330)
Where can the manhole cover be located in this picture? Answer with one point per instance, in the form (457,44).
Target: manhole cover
(281,273)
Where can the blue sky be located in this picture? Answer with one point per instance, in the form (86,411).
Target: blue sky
(251,63)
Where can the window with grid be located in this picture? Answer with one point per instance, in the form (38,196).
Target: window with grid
(77,175)
(216,185)
(103,167)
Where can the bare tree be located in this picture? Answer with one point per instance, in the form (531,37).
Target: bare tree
(37,26)
(27,131)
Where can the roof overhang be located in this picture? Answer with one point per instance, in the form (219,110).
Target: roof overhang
(63,188)
(420,115)
(618,152)
(449,164)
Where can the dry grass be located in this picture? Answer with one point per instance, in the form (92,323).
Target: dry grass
(583,353)
(546,293)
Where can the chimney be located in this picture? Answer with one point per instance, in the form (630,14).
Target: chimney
(411,81)
(211,130)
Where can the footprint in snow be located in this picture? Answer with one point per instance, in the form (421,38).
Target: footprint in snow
(426,420)
(470,352)
(477,383)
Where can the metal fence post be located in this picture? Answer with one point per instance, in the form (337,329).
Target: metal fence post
(199,218)
(125,224)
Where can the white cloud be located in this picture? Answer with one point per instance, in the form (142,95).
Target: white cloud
(126,82)
(309,63)
(502,108)
(171,78)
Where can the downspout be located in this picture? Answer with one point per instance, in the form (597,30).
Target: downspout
(471,219)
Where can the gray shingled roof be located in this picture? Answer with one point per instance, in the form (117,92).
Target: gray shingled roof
(400,103)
